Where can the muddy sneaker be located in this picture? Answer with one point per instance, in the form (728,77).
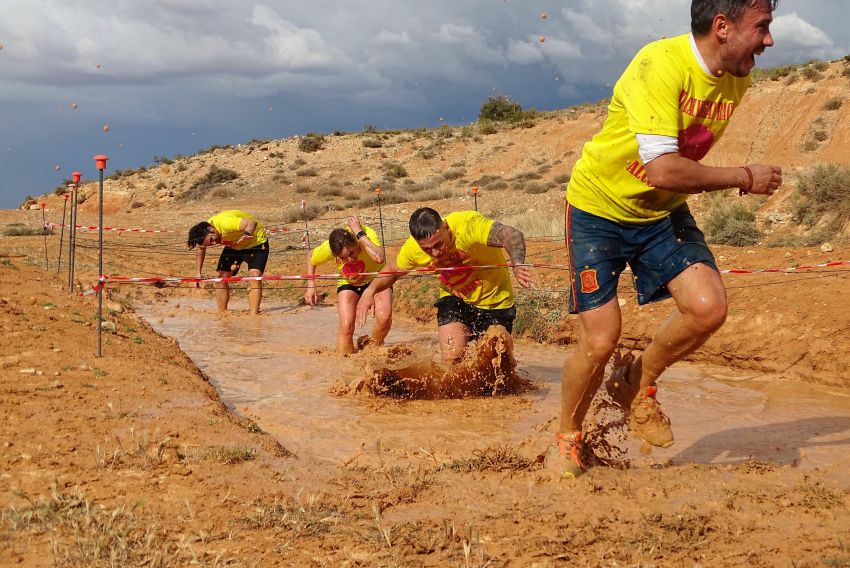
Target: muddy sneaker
(620,388)
(570,462)
(648,423)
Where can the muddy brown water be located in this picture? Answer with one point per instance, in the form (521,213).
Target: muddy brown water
(278,369)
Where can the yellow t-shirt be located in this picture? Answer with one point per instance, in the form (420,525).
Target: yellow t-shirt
(488,289)
(227,224)
(364,263)
(663,91)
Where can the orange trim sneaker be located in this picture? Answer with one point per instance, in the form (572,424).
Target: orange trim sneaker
(648,422)
(570,452)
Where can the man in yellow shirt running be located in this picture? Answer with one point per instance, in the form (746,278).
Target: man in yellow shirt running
(626,205)
(471,299)
(354,250)
(244,240)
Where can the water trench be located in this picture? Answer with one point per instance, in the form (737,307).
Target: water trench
(279,369)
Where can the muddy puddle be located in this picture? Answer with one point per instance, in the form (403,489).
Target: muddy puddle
(280,369)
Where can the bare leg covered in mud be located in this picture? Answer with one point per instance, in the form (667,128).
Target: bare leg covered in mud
(346,304)
(700,311)
(255,292)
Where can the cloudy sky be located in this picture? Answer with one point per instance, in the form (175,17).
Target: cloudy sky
(135,79)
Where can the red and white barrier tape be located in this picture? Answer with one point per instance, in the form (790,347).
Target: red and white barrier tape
(141,230)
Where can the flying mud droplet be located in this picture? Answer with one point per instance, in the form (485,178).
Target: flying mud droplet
(106,128)
(544,16)
(97,66)
(542,39)
(58,167)
(74,106)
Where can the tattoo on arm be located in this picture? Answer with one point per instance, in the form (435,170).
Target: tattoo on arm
(510,239)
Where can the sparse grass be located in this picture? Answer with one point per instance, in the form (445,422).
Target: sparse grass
(454,173)
(561,179)
(536,188)
(772,73)
(833,103)
(372,143)
(307,172)
(821,198)
(486,127)
(812,72)
(730,222)
(223,193)
(202,185)
(394,170)
(313,516)
(301,188)
(311,142)
(21,230)
(494,458)
(230,454)
(298,214)
(85,534)
(331,191)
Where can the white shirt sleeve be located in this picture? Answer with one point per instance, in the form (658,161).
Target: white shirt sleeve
(650,146)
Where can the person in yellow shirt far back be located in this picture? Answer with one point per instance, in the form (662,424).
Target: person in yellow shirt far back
(244,240)
(355,249)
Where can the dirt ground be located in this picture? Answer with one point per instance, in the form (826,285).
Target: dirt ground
(131,459)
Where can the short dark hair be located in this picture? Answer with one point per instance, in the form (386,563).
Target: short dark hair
(703,11)
(339,239)
(198,233)
(424,222)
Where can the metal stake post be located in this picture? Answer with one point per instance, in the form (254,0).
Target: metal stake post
(381,223)
(100,163)
(72,241)
(306,228)
(42,205)
(62,231)
(475,196)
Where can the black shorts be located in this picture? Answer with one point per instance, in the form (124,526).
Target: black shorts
(451,309)
(231,259)
(356,289)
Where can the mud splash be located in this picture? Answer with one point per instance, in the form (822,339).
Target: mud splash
(409,371)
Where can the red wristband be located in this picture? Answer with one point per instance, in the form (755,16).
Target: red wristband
(743,191)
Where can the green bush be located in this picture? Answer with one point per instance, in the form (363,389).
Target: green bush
(311,142)
(730,222)
(500,108)
(821,196)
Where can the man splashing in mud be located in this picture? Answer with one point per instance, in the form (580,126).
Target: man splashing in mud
(627,204)
(471,300)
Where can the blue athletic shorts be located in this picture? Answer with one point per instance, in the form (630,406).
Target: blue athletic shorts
(599,250)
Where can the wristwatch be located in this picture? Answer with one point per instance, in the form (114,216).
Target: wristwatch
(360,234)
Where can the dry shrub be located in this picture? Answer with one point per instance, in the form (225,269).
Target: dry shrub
(821,197)
(296,214)
(730,222)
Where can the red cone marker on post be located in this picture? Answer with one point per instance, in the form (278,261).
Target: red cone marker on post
(100,164)
(475,196)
